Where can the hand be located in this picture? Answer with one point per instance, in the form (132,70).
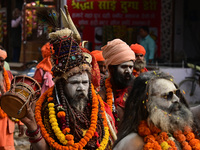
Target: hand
(29,120)
(21,130)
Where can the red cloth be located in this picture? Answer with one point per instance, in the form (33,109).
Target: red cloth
(95,71)
(138,49)
(120,97)
(109,112)
(98,55)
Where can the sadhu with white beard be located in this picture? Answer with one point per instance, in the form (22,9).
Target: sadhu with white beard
(157,117)
(69,115)
(140,62)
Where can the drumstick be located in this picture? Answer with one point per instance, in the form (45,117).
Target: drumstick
(20,110)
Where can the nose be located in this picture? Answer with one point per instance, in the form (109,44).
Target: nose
(128,70)
(80,87)
(175,98)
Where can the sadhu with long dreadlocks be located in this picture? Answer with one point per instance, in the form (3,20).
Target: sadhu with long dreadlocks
(69,115)
(157,116)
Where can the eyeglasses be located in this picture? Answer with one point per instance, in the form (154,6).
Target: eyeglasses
(141,55)
(170,94)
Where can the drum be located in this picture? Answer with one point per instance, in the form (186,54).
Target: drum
(24,90)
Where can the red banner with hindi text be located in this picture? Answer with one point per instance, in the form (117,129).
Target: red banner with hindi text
(117,15)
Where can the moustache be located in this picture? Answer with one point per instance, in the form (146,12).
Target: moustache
(80,95)
(175,107)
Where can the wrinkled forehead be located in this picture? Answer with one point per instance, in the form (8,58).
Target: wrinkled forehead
(162,86)
(79,77)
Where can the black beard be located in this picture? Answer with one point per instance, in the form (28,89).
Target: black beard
(121,81)
(139,64)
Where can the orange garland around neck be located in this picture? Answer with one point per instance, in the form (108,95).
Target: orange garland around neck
(109,93)
(89,134)
(7,81)
(155,139)
(137,73)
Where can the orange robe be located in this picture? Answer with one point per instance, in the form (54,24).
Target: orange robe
(7,128)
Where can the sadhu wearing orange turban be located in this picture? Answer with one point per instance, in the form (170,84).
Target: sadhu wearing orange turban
(101,63)
(140,62)
(119,59)
(7,126)
(43,73)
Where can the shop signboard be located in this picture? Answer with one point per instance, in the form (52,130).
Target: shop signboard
(93,17)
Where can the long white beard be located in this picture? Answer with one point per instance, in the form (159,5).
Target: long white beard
(170,123)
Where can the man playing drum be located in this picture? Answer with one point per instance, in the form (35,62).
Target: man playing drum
(69,115)
(7,126)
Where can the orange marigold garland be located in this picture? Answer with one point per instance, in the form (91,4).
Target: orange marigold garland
(162,140)
(69,138)
(109,93)
(155,139)
(7,81)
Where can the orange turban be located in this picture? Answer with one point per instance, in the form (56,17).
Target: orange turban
(45,64)
(3,54)
(117,52)
(137,48)
(98,55)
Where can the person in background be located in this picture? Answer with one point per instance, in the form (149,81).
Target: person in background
(16,34)
(7,124)
(148,43)
(6,65)
(102,66)
(119,59)
(140,62)
(43,72)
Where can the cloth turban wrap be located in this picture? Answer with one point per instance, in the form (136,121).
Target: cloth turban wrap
(98,55)
(3,54)
(45,64)
(117,52)
(137,48)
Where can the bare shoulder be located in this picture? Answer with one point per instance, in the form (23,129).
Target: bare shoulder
(196,112)
(131,142)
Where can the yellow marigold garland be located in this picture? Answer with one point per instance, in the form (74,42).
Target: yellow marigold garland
(89,134)
(109,93)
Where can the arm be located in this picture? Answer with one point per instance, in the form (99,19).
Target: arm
(15,23)
(31,124)
(151,47)
(131,142)
(196,113)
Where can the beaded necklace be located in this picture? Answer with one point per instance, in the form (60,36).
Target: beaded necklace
(63,134)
